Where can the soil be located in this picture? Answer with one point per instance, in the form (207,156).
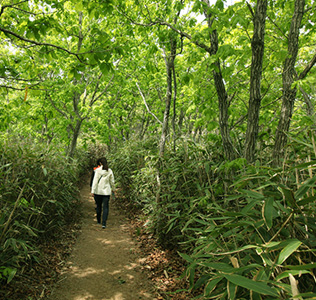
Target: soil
(103,264)
(86,262)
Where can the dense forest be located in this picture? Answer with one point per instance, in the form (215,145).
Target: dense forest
(206,111)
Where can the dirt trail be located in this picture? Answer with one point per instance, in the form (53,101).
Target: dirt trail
(102,265)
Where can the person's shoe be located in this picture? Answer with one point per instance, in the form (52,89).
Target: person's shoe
(103,226)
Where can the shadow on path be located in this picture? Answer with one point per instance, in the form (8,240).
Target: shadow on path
(102,265)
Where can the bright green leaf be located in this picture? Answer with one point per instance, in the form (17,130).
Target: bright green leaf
(259,287)
(268,212)
(288,250)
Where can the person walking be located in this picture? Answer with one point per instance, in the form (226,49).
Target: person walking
(91,180)
(98,165)
(101,190)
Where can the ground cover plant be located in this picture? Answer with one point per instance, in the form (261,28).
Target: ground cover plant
(39,195)
(246,231)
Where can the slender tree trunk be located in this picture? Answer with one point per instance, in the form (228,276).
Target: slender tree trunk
(144,126)
(181,118)
(288,78)
(257,45)
(75,136)
(169,61)
(167,110)
(109,130)
(310,105)
(223,103)
(76,99)
(174,107)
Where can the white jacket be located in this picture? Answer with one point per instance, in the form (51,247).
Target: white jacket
(103,182)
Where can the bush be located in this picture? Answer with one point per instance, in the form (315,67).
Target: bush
(246,231)
(38,193)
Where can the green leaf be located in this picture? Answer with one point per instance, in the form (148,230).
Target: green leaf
(44,171)
(249,206)
(212,284)
(191,271)
(268,211)
(254,195)
(288,196)
(219,4)
(305,187)
(302,267)
(222,267)
(286,274)
(288,250)
(105,68)
(259,287)
(204,278)
(11,274)
(232,289)
(186,257)
(306,200)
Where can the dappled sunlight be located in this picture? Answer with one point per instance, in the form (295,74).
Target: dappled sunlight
(114,242)
(85,296)
(131,266)
(106,242)
(79,272)
(116,272)
(118,296)
(130,277)
(103,265)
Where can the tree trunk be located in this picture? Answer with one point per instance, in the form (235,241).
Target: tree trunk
(76,131)
(257,45)
(223,103)
(167,110)
(76,99)
(169,61)
(174,107)
(310,105)
(288,78)
(181,118)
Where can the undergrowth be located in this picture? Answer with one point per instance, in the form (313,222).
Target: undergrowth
(247,231)
(38,196)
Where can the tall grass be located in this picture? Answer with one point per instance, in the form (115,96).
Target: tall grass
(246,231)
(38,195)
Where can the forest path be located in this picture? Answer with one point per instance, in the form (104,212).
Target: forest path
(102,265)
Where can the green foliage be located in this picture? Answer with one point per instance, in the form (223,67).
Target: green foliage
(262,237)
(127,161)
(38,196)
(168,190)
(246,231)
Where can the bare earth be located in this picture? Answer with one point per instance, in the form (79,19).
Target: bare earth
(103,265)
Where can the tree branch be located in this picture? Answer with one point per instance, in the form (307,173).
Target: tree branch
(250,9)
(277,27)
(182,33)
(13,6)
(147,105)
(39,44)
(307,68)
(159,22)
(94,99)
(59,110)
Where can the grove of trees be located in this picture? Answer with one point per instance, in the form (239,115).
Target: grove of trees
(206,110)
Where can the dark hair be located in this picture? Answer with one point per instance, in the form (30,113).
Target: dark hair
(104,163)
(98,162)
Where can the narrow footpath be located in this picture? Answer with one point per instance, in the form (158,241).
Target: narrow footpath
(103,265)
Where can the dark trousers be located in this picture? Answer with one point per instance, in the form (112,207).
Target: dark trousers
(102,205)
